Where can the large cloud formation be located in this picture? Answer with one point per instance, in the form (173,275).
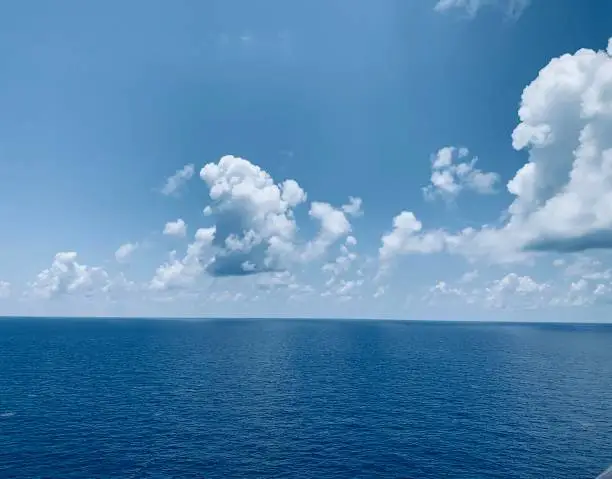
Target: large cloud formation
(562,195)
(255,222)
(255,225)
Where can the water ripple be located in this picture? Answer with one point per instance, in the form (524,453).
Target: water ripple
(306,399)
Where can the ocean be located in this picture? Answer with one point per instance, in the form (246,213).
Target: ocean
(97,398)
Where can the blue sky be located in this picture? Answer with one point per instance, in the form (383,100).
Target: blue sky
(471,135)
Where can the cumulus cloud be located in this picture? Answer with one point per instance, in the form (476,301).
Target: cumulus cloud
(180,273)
(589,281)
(340,267)
(406,237)
(353,207)
(5,289)
(333,226)
(453,172)
(579,293)
(515,291)
(176,228)
(443,288)
(124,251)
(254,218)
(562,194)
(347,287)
(177,180)
(518,284)
(344,260)
(67,276)
(512,8)
(512,291)
(256,230)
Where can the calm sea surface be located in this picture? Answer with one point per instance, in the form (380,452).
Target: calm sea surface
(303,399)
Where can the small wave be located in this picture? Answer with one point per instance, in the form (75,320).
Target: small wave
(7,414)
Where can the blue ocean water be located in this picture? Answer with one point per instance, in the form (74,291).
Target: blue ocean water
(303,399)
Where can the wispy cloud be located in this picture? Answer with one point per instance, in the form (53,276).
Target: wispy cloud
(512,8)
(177,180)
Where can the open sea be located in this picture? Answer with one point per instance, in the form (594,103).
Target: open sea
(313,399)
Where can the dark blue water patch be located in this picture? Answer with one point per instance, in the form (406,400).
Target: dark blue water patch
(304,399)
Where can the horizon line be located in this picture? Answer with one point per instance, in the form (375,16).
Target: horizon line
(305,318)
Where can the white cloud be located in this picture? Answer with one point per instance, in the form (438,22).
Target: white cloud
(518,292)
(515,291)
(254,216)
(406,237)
(67,276)
(176,228)
(5,289)
(342,263)
(353,207)
(512,8)
(563,194)
(334,225)
(602,290)
(512,291)
(578,293)
(453,173)
(181,273)
(443,288)
(346,287)
(125,251)
(519,284)
(256,230)
(177,180)
(380,291)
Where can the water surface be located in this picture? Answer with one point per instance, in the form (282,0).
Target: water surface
(304,399)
